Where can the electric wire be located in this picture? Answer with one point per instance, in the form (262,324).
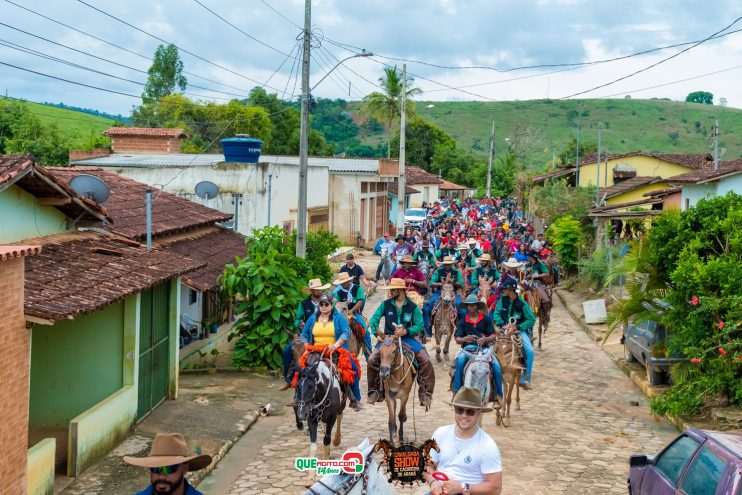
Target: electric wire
(290,55)
(280,14)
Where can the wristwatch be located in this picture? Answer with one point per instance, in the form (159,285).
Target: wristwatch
(467,488)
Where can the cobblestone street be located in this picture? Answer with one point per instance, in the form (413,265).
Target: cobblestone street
(574,433)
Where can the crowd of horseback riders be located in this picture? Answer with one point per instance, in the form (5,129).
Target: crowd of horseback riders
(475,271)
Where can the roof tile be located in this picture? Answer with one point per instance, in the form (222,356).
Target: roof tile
(416,175)
(10,252)
(145,131)
(628,185)
(708,172)
(690,160)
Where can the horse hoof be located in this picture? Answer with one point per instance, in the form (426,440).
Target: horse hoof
(299,426)
(336,441)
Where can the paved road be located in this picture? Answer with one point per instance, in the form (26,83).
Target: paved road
(573,435)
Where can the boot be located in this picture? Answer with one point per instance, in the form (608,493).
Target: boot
(285,386)
(372,376)
(425,378)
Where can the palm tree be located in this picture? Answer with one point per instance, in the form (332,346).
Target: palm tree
(386,106)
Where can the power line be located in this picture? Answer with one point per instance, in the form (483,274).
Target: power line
(277,12)
(241,31)
(290,55)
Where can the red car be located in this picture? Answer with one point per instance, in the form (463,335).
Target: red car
(697,462)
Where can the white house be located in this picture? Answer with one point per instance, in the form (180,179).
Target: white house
(708,182)
(426,183)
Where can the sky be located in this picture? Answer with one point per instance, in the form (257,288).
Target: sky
(450,34)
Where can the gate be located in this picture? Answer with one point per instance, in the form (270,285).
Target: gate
(154,348)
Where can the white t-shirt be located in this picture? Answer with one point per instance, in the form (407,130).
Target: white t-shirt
(466,460)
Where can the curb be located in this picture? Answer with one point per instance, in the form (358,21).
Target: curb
(225,448)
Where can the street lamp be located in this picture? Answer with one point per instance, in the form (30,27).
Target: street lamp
(363,53)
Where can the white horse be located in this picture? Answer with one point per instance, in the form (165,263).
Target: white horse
(387,268)
(478,372)
(355,484)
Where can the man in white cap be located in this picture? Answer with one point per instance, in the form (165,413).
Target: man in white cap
(168,463)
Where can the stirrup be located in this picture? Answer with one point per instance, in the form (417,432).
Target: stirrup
(424,396)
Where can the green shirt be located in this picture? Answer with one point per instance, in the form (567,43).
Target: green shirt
(529,319)
(456,275)
(474,279)
(422,255)
(417,319)
(539,267)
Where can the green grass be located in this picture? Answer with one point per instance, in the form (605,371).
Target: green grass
(70,122)
(628,125)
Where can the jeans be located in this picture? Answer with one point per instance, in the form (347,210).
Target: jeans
(355,387)
(378,268)
(528,349)
(428,309)
(367,337)
(458,376)
(289,366)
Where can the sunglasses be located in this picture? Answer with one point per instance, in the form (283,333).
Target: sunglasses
(462,411)
(324,303)
(164,469)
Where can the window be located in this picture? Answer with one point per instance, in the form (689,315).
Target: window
(704,474)
(192,296)
(672,461)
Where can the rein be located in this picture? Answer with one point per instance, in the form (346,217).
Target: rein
(351,483)
(313,404)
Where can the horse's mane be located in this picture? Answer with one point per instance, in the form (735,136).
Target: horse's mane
(333,482)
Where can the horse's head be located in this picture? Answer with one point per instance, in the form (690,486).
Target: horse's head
(297,347)
(387,355)
(385,445)
(430,445)
(306,389)
(448,295)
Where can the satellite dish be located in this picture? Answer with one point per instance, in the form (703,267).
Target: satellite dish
(207,190)
(91,187)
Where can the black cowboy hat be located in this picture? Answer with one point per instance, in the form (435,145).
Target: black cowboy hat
(509,283)
(399,236)
(533,254)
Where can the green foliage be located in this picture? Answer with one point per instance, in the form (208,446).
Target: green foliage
(700,97)
(555,199)
(320,245)
(566,236)
(594,269)
(164,75)
(569,152)
(27,134)
(267,284)
(423,140)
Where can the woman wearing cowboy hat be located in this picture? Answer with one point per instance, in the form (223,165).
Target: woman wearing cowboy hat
(475,329)
(168,463)
(469,458)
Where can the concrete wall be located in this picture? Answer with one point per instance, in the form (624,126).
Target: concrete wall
(21,218)
(75,364)
(673,200)
(14,371)
(416,200)
(733,183)
(173,361)
(193,312)
(40,468)
(347,216)
(636,194)
(692,193)
(645,166)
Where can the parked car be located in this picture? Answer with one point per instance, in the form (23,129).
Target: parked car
(697,462)
(644,341)
(415,216)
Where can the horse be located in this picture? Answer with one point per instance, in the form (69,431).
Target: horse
(370,480)
(478,371)
(538,298)
(357,332)
(320,397)
(397,376)
(506,351)
(444,323)
(485,288)
(387,268)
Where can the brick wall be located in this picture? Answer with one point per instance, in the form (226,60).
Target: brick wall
(14,377)
(145,144)
(86,155)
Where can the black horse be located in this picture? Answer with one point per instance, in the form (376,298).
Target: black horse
(319,397)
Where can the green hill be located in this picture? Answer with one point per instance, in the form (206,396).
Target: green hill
(628,124)
(71,123)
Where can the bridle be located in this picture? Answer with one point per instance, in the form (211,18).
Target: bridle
(312,403)
(351,482)
(397,352)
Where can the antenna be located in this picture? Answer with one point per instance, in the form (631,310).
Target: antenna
(207,190)
(91,187)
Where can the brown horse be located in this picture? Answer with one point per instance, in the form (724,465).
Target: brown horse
(397,378)
(538,298)
(355,342)
(485,289)
(444,321)
(507,350)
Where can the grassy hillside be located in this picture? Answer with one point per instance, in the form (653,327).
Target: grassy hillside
(70,123)
(628,124)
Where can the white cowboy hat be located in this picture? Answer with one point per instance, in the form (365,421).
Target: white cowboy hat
(342,278)
(447,260)
(485,257)
(169,449)
(316,284)
(512,263)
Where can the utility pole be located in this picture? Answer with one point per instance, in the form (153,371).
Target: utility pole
(402,142)
(492,153)
(716,146)
(597,180)
(605,171)
(577,160)
(553,157)
(270,195)
(301,220)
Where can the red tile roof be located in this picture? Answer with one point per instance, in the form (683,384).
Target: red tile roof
(68,279)
(216,246)
(708,173)
(628,185)
(393,188)
(10,252)
(690,160)
(450,186)
(145,131)
(126,206)
(552,175)
(415,176)
(663,192)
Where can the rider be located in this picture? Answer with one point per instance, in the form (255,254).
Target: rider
(385,250)
(470,259)
(354,295)
(410,273)
(401,248)
(436,282)
(539,270)
(513,306)
(476,328)
(484,270)
(402,318)
(449,250)
(328,327)
(425,254)
(307,308)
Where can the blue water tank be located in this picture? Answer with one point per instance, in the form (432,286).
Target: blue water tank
(241,149)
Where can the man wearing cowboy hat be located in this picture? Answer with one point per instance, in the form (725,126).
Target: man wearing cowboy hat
(307,307)
(401,248)
(448,250)
(410,273)
(168,463)
(436,282)
(468,457)
(348,292)
(511,305)
(424,254)
(537,268)
(402,318)
(484,270)
(476,329)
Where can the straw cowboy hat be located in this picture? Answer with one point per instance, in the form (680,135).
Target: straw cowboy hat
(316,284)
(485,257)
(169,449)
(472,299)
(469,398)
(342,278)
(408,259)
(512,263)
(472,242)
(447,260)
(395,283)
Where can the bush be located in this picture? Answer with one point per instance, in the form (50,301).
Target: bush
(320,245)
(566,235)
(594,269)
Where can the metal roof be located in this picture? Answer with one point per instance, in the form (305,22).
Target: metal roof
(179,160)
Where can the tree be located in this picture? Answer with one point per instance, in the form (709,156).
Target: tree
(165,74)
(700,97)
(423,138)
(386,106)
(568,154)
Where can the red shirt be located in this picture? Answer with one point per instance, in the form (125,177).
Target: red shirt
(414,273)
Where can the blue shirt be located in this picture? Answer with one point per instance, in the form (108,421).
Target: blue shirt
(189,490)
